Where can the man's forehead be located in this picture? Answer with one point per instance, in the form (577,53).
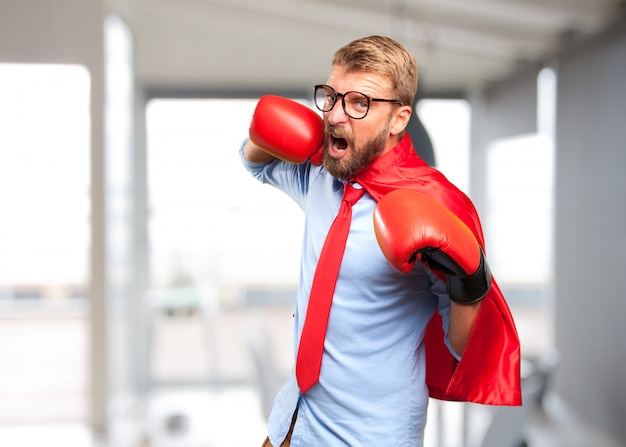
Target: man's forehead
(343,80)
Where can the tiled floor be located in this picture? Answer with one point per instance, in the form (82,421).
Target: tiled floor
(231,419)
(44,388)
(557,426)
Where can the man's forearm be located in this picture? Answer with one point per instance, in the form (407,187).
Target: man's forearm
(255,154)
(462,318)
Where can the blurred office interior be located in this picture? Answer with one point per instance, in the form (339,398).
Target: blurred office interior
(139,307)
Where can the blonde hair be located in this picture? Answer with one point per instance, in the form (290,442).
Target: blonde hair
(385,57)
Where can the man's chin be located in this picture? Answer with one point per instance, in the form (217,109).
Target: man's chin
(334,167)
(340,168)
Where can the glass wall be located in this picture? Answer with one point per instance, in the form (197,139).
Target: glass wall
(44,240)
(223,259)
(519,222)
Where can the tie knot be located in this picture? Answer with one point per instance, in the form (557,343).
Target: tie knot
(352,194)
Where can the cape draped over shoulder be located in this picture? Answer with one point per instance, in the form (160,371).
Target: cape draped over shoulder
(489,370)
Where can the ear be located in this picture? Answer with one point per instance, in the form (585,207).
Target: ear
(400,120)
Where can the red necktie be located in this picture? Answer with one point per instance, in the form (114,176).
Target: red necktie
(311,347)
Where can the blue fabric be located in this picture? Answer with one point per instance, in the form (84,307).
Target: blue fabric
(372,388)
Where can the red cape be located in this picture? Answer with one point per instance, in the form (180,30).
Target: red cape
(489,370)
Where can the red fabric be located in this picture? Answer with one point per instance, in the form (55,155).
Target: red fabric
(311,349)
(489,370)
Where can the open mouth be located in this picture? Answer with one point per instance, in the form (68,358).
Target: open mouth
(337,147)
(340,143)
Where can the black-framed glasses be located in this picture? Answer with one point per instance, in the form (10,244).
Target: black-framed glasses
(355,104)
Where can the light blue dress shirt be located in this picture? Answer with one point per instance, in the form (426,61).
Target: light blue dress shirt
(372,388)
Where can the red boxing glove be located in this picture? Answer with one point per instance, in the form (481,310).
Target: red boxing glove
(409,224)
(317,158)
(286,129)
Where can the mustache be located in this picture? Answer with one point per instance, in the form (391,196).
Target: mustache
(337,132)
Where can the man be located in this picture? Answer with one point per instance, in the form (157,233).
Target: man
(412,280)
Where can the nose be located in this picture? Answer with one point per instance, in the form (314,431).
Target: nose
(337,115)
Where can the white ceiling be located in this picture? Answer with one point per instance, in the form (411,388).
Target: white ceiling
(215,45)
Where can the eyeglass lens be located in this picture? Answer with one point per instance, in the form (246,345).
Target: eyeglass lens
(354,104)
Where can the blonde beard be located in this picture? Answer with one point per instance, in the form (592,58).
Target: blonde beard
(359,158)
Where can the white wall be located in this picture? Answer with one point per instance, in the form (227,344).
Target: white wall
(591,231)
(590,216)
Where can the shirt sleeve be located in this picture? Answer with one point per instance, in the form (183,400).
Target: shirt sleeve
(291,178)
(439,289)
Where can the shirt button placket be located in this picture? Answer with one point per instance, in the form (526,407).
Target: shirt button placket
(298,429)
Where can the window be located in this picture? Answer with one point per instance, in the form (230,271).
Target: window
(220,242)
(447,122)
(519,220)
(44,263)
